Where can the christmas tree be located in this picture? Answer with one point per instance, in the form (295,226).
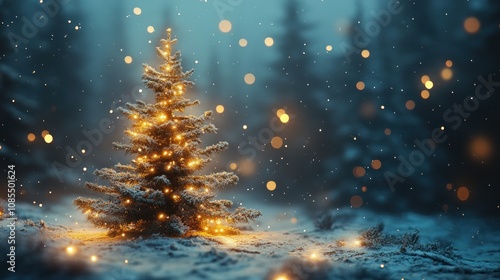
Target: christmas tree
(160,191)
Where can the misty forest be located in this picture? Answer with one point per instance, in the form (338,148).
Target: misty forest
(217,139)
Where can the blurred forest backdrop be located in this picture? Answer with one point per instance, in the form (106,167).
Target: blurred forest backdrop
(355,97)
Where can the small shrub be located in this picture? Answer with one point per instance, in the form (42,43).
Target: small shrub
(411,239)
(324,222)
(373,237)
(340,243)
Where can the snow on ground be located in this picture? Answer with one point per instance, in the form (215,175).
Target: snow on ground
(274,248)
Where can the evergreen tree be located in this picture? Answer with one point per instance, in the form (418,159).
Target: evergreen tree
(159,191)
(377,130)
(303,139)
(19,99)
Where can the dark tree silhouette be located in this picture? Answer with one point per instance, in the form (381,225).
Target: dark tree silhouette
(298,165)
(378,131)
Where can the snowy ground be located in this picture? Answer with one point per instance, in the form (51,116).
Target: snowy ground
(274,248)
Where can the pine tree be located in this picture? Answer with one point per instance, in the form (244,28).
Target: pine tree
(159,191)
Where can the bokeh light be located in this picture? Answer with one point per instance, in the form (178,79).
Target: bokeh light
(219,109)
(31,137)
(271,185)
(225,26)
(472,25)
(425,79)
(329,48)
(243,43)
(48,138)
(365,53)
(233,165)
(71,250)
(463,193)
(360,85)
(276,142)
(446,74)
(284,118)
(410,105)
(128,59)
(269,41)
(481,147)
(150,29)
(249,78)
(425,94)
(376,164)
(356,201)
(358,171)
(137,11)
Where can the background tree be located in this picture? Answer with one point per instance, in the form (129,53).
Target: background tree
(304,140)
(37,89)
(377,127)
(159,192)
(18,99)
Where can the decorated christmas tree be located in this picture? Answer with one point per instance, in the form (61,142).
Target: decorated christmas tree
(160,190)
